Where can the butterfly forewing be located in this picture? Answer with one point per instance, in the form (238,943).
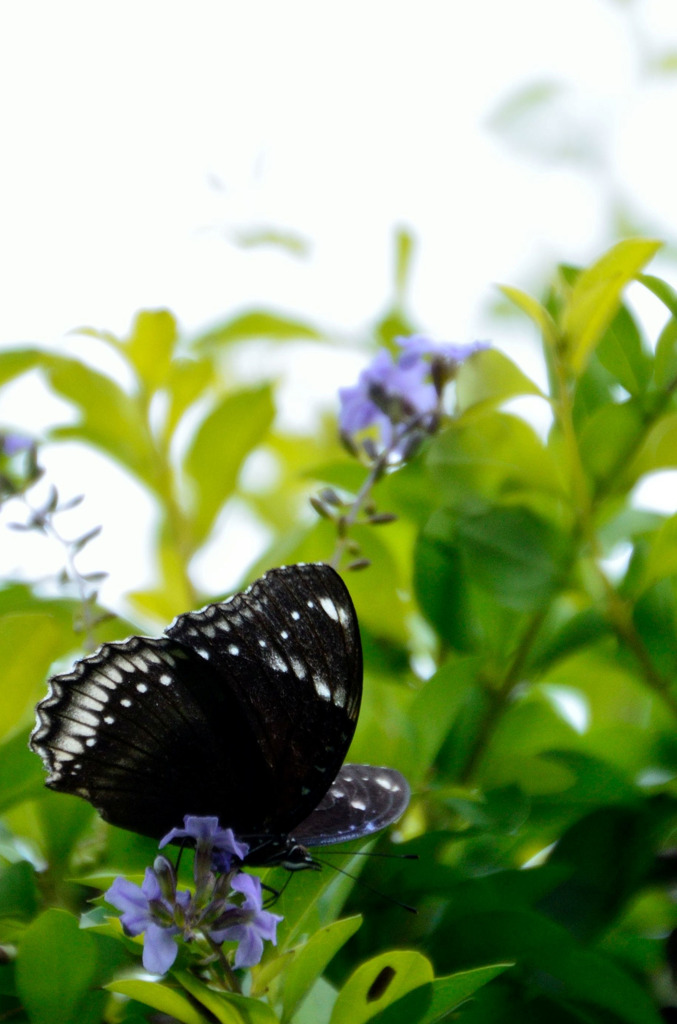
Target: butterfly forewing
(244,710)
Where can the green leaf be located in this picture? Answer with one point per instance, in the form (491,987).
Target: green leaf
(163,998)
(228,1007)
(256,323)
(491,377)
(29,642)
(441,583)
(608,855)
(21,773)
(14,362)
(186,381)
(57,966)
(516,556)
(437,705)
(659,449)
(662,558)
(404,251)
(551,962)
(378,983)
(621,352)
(596,295)
(223,441)
(661,289)
(432,1003)
(491,455)
(258,238)
(535,311)
(311,959)
(18,891)
(110,419)
(665,361)
(150,346)
(608,439)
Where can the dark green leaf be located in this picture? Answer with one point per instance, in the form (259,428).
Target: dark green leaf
(516,556)
(18,891)
(433,1002)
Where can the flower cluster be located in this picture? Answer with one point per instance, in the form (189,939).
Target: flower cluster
(402,398)
(161,913)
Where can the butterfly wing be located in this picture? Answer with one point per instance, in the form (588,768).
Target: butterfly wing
(289,650)
(244,710)
(361,801)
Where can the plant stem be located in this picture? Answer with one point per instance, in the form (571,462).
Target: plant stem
(500,697)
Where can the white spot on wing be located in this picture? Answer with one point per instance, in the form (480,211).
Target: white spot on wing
(233,649)
(165,679)
(321,688)
(142,687)
(359,805)
(299,668)
(276,662)
(344,616)
(329,608)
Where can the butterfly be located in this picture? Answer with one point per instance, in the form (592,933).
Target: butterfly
(243,710)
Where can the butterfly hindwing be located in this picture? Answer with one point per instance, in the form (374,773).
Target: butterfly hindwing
(361,800)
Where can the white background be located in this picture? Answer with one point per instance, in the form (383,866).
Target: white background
(137,139)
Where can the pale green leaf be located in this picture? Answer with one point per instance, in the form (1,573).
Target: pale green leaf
(312,958)
(596,296)
(535,311)
(491,377)
(378,983)
(161,997)
(223,441)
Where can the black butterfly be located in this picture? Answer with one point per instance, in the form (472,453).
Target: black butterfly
(243,710)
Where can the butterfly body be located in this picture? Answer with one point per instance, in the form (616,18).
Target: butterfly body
(244,710)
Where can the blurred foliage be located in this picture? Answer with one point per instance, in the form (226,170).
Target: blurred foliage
(527,691)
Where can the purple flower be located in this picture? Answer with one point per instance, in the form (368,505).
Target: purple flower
(13,444)
(144,909)
(253,923)
(417,346)
(208,836)
(386,394)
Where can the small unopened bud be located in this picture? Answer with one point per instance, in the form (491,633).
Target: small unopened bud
(348,443)
(164,872)
(320,507)
(360,563)
(379,518)
(330,497)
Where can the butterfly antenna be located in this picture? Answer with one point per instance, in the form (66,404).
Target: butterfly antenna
(371,888)
(370,853)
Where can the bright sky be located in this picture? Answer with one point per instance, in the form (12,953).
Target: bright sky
(138,136)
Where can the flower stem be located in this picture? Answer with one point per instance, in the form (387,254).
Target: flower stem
(229,979)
